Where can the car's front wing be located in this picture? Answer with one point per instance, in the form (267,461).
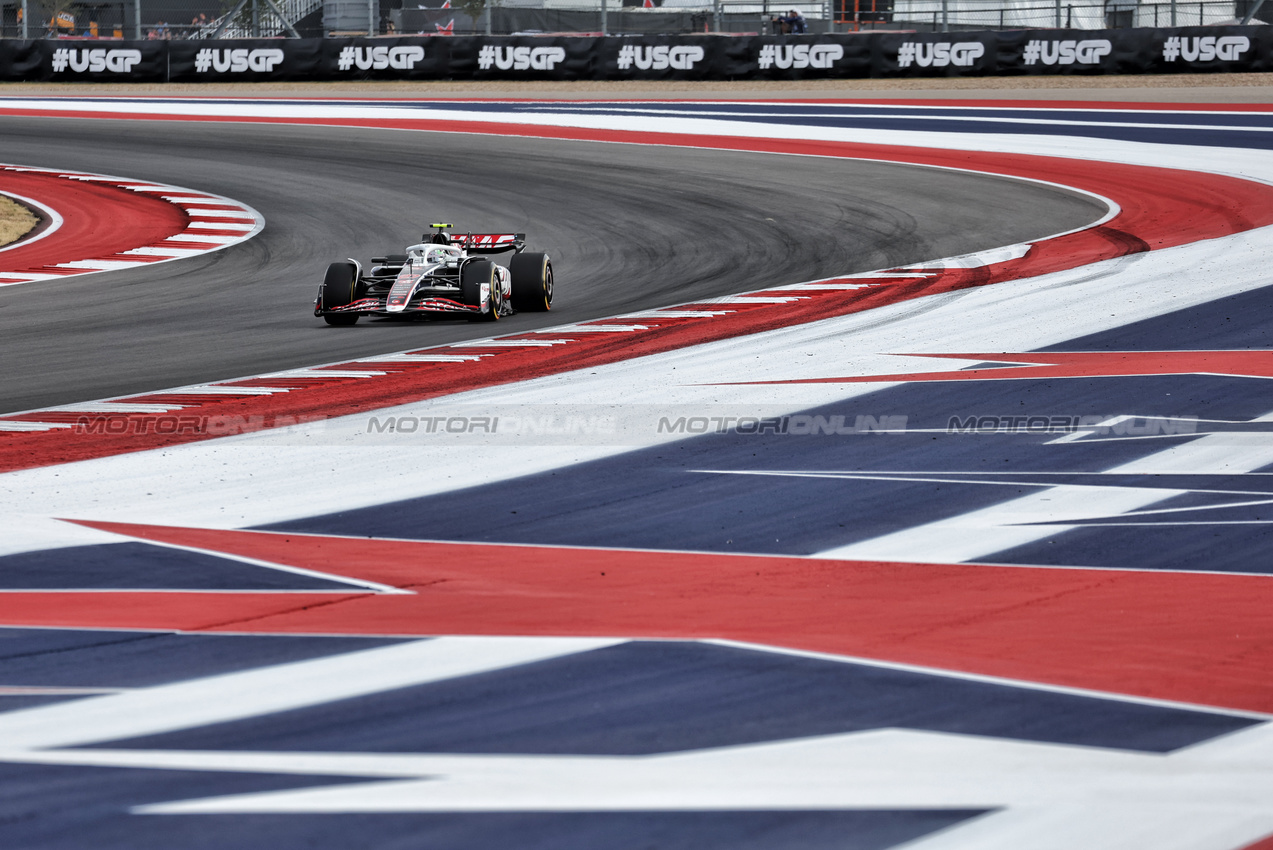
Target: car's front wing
(374,306)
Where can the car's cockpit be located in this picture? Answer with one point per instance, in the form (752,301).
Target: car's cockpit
(430,254)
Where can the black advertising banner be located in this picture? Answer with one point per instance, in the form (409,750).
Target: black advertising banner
(244,60)
(972,54)
(525,58)
(644,57)
(1073,51)
(1202,49)
(736,59)
(21,60)
(806,57)
(652,57)
(99,61)
(406,58)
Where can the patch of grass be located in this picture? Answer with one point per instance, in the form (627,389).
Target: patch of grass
(15,221)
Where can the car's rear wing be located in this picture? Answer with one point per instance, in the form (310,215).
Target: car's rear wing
(489,243)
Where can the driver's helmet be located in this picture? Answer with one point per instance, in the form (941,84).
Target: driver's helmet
(435,254)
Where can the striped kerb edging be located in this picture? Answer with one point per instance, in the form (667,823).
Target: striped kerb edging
(1152,208)
(93,223)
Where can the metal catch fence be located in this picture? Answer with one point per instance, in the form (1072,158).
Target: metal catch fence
(201,19)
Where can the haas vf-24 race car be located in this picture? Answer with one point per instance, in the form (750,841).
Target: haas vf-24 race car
(445,274)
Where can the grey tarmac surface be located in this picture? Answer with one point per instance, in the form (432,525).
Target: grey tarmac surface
(628,228)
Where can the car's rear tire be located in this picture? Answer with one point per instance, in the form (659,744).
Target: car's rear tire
(340,287)
(532,282)
(472,276)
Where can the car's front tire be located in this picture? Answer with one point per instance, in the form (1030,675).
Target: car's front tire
(472,276)
(340,286)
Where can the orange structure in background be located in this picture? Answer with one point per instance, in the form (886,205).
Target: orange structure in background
(851,14)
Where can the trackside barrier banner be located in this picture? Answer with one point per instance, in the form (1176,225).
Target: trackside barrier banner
(936,54)
(646,57)
(245,60)
(89,61)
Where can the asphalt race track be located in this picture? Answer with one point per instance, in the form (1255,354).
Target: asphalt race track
(862,492)
(628,227)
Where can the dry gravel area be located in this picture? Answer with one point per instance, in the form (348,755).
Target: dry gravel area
(1174,88)
(15,221)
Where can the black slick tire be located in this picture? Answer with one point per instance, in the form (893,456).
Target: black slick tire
(339,288)
(472,276)
(532,282)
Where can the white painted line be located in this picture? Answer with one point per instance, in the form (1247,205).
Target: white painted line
(323,373)
(423,358)
(38,690)
(267,690)
(219,225)
(798,287)
(361,584)
(991,680)
(677,314)
(977,260)
(1080,434)
(593,329)
(511,343)
(978,534)
(215,389)
(197,237)
(12,425)
(99,265)
(891,274)
(752,299)
(208,213)
(114,407)
(1040,795)
(172,253)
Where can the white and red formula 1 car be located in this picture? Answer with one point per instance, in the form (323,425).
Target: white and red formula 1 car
(445,274)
